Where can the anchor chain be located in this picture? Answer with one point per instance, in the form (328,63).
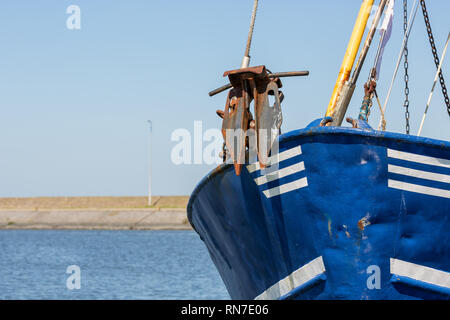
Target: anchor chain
(435,54)
(406,65)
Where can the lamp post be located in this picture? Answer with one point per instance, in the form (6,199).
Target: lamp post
(150,163)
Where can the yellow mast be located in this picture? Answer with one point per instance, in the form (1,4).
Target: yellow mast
(350,54)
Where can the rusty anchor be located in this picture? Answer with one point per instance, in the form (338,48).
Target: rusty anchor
(251,84)
(244,135)
(268,117)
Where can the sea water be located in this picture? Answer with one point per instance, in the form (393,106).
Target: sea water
(88,264)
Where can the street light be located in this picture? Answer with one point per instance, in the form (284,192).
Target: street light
(150,163)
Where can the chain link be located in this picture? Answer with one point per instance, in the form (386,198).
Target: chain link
(435,55)
(406,65)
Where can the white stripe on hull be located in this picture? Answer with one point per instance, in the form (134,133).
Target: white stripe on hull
(297,278)
(419,173)
(418,158)
(290,153)
(418,188)
(420,273)
(280,173)
(288,187)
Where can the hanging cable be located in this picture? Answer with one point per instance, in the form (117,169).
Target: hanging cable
(434,84)
(370,85)
(406,64)
(411,23)
(435,55)
(246,59)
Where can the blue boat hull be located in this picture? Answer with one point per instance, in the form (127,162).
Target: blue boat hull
(348,214)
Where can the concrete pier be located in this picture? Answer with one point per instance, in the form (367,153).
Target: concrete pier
(136,219)
(93,213)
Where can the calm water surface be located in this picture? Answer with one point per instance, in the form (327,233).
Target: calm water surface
(113,265)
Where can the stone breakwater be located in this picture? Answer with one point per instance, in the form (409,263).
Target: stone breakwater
(95,219)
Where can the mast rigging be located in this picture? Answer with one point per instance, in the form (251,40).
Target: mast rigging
(405,40)
(434,84)
(246,59)
(435,55)
(406,65)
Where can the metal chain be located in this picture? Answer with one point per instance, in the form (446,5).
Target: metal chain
(435,55)
(406,65)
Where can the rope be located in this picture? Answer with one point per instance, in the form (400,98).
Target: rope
(364,112)
(369,89)
(383,120)
(246,60)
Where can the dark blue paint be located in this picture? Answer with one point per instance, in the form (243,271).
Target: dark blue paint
(255,242)
(426,290)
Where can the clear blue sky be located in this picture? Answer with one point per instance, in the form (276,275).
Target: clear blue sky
(74,103)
